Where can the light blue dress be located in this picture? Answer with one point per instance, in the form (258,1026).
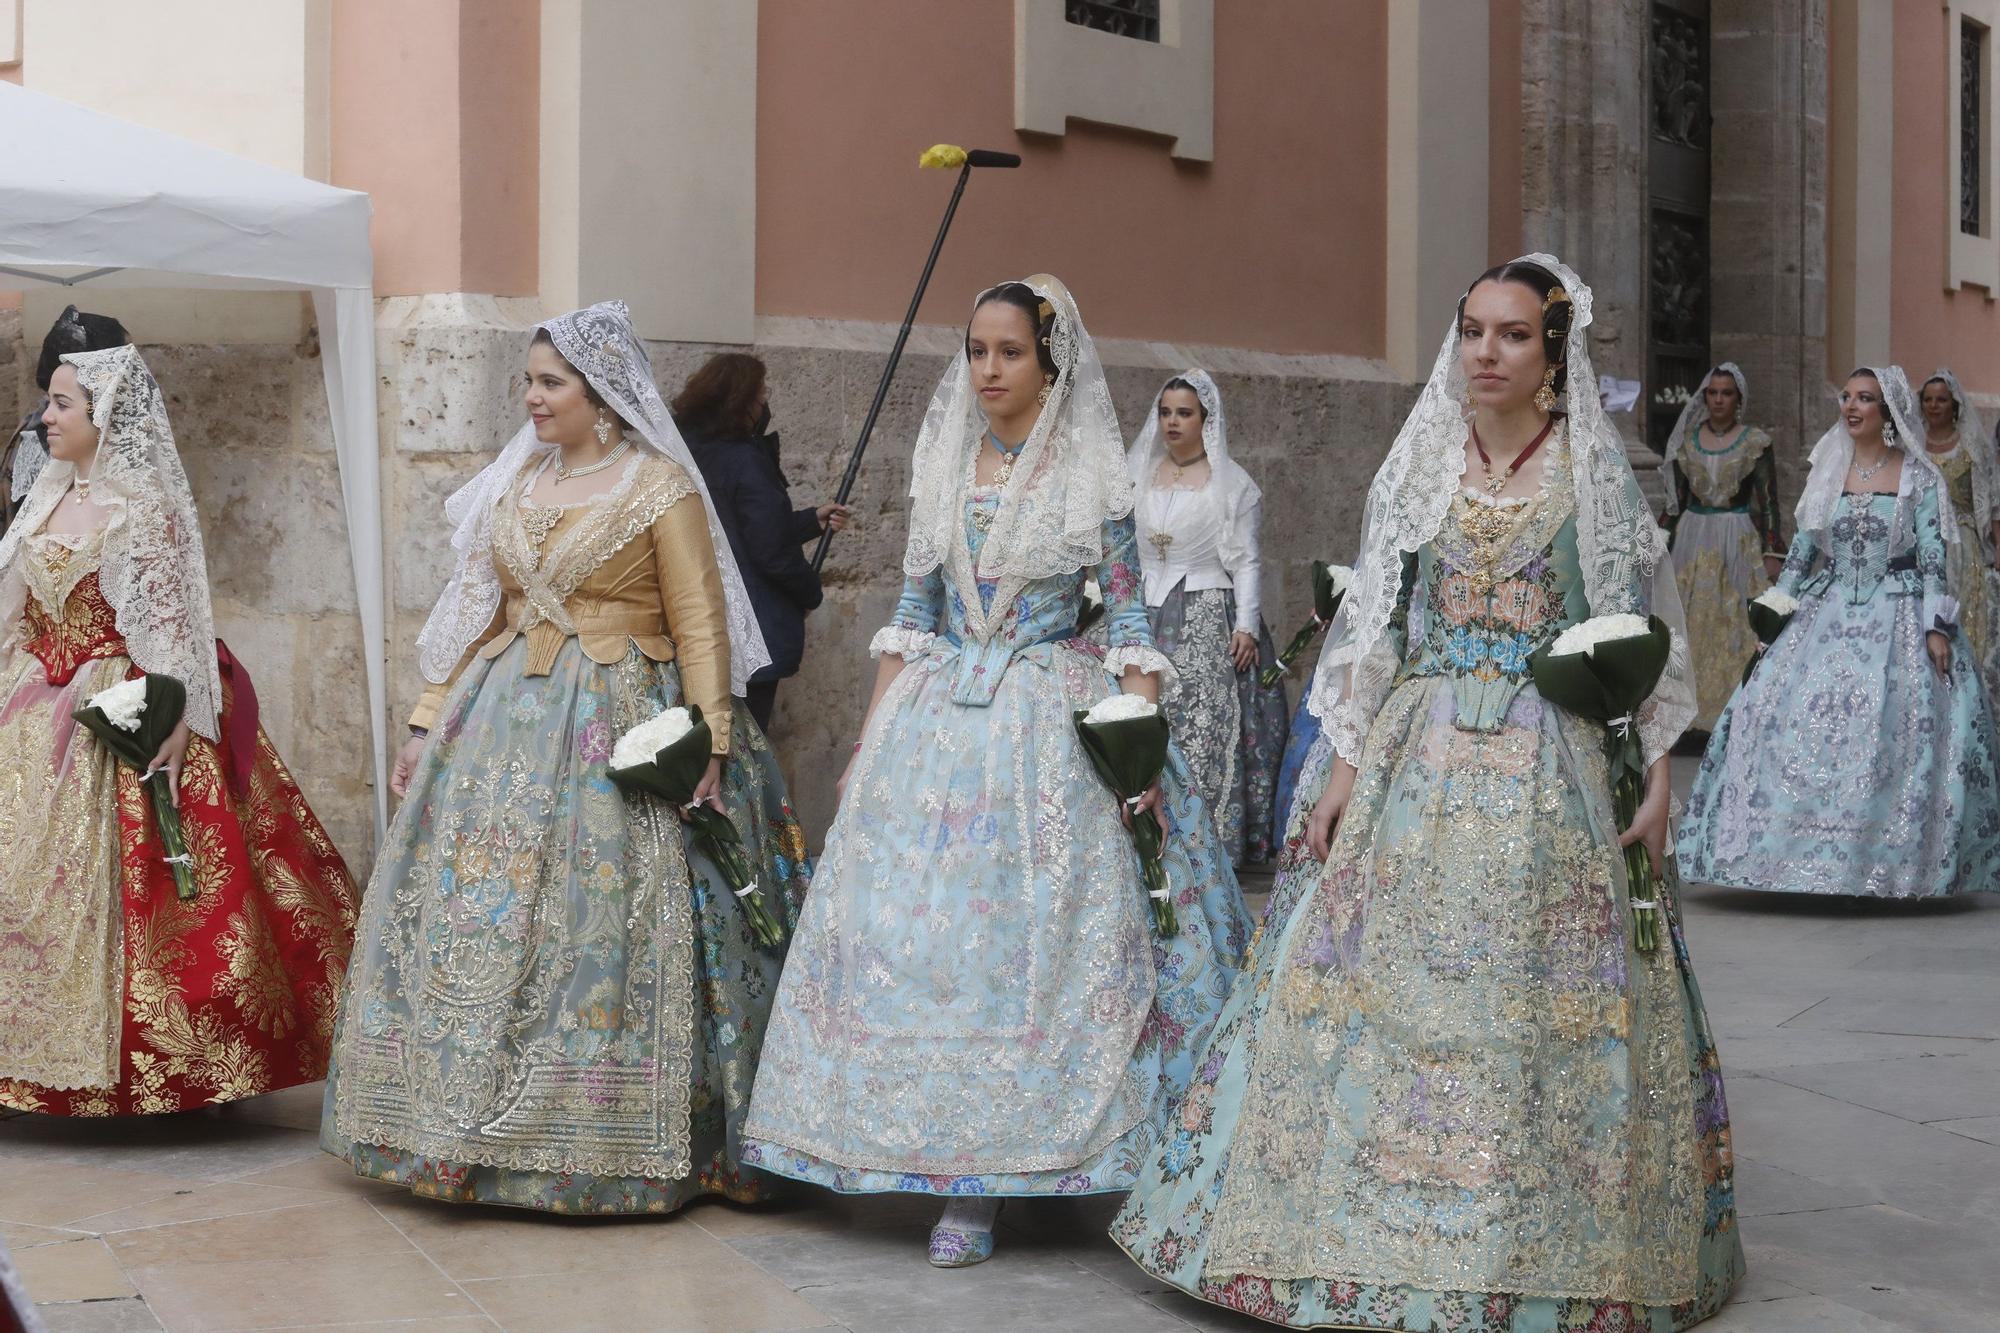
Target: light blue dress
(975,1001)
(1845,765)
(1447,1092)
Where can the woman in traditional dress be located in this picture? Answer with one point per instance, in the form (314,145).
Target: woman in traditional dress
(976,1004)
(1859,758)
(117,997)
(28,452)
(1957,442)
(1723,515)
(1199,515)
(555,1003)
(1449,1091)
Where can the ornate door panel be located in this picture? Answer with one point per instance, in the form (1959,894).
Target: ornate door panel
(1677,275)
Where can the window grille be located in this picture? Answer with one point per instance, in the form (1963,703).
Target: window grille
(1971,127)
(1121,18)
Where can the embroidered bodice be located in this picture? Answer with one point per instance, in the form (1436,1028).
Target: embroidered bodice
(68,620)
(1858,563)
(632,568)
(1740,478)
(991,624)
(1957,468)
(1499,581)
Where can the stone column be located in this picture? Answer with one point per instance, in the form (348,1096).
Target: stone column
(1768,225)
(1583,169)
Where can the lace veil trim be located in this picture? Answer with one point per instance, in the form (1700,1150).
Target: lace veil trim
(605,349)
(153,570)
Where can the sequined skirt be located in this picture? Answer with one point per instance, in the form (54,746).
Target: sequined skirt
(1845,765)
(1447,1092)
(976,1001)
(117,997)
(1718,568)
(1229,728)
(554,1002)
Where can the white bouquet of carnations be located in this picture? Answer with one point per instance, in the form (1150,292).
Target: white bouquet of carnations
(1770,611)
(667,756)
(1330,585)
(1603,669)
(1125,736)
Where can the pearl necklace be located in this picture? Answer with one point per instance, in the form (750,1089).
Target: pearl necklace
(570,473)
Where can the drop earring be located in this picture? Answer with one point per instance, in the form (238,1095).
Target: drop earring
(1545,397)
(603,427)
(1048,387)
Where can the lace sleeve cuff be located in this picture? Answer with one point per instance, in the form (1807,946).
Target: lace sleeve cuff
(1348,739)
(1941,612)
(900,641)
(1150,660)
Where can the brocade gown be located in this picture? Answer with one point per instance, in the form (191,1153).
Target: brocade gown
(1845,765)
(555,1003)
(976,1002)
(1969,571)
(117,998)
(1447,1092)
(1727,523)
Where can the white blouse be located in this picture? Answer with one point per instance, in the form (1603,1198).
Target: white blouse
(1204,547)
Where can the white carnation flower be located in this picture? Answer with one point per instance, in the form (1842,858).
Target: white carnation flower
(640,744)
(122,705)
(1778,600)
(1121,708)
(1342,577)
(1586,635)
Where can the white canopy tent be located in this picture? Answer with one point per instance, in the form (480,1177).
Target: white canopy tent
(88,199)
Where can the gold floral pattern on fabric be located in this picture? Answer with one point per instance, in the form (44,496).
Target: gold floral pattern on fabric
(86,630)
(1969,561)
(1718,620)
(61,973)
(228,996)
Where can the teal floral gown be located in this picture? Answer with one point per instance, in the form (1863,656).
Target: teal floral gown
(1845,765)
(1447,1093)
(554,1000)
(975,1001)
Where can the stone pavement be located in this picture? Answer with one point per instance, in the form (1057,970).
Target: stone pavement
(1860,1047)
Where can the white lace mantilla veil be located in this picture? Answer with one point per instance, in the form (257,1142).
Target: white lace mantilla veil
(600,343)
(1070,479)
(1972,438)
(153,574)
(1696,409)
(1834,454)
(1619,544)
(1232,483)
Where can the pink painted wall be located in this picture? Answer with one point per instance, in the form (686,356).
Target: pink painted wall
(1277,244)
(434,114)
(1929,326)
(499,160)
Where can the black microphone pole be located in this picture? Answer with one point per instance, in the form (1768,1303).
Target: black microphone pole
(978,157)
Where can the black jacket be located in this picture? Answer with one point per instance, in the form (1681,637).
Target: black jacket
(765,534)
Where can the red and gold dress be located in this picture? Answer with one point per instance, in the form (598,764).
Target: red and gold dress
(117,998)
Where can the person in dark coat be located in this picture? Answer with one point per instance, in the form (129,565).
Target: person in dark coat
(23,455)
(724,414)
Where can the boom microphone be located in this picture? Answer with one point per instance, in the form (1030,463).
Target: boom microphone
(986,157)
